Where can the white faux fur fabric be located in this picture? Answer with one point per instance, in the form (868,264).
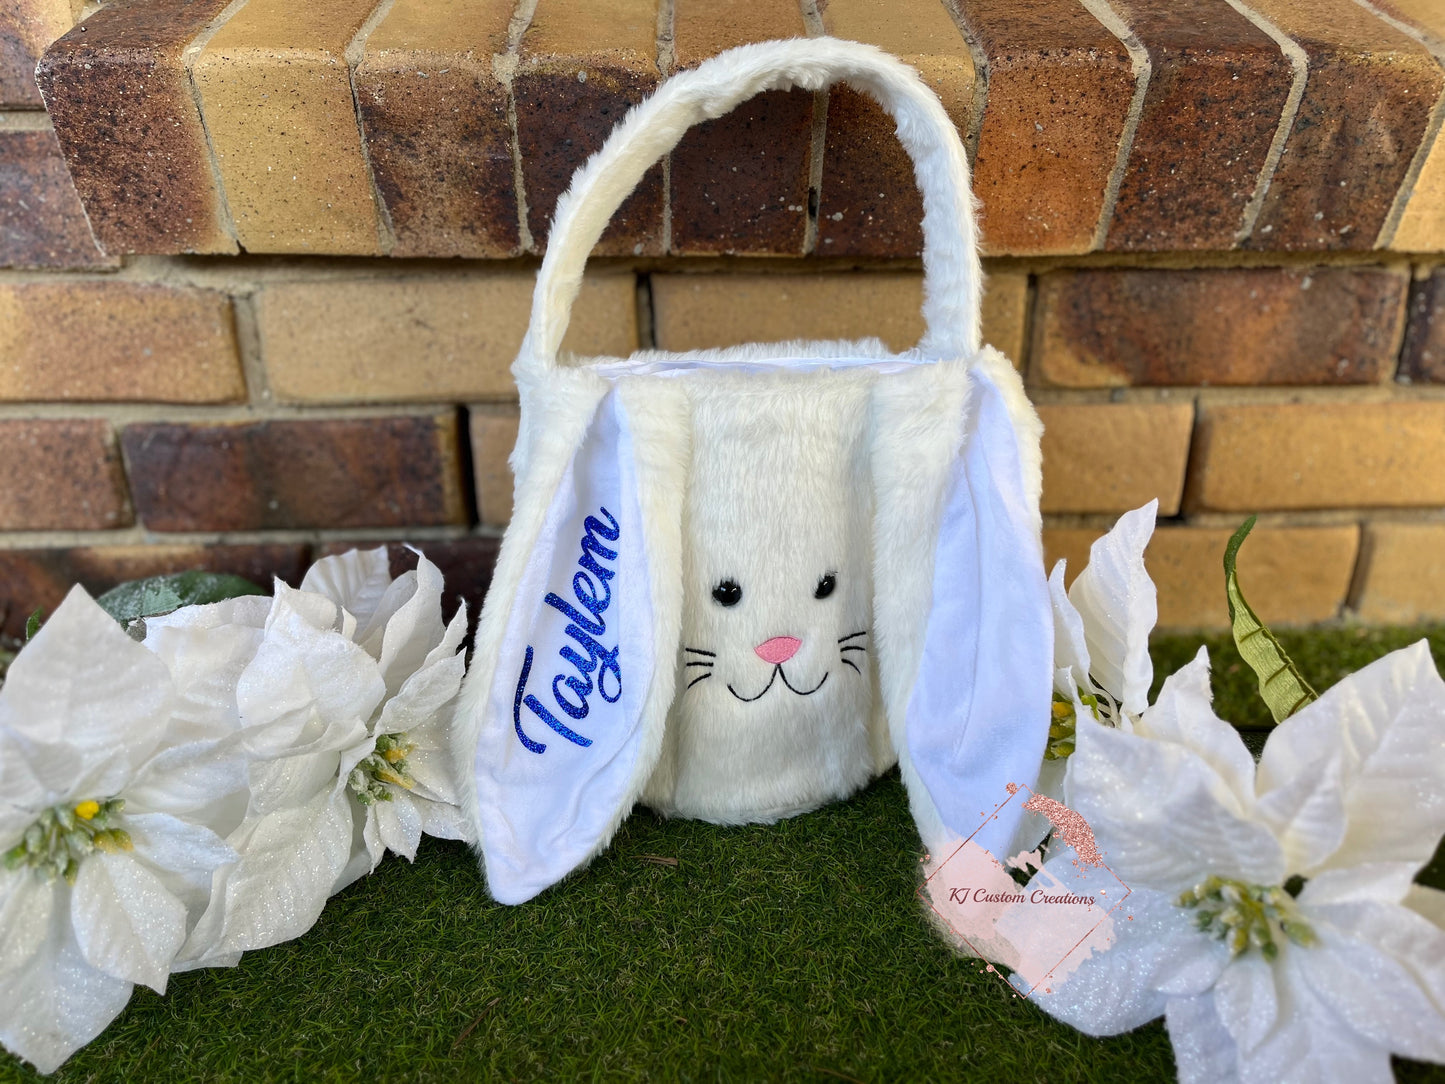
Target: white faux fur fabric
(720,592)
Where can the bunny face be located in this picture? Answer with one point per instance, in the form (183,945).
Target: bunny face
(775,686)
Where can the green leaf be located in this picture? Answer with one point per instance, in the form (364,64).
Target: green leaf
(32,623)
(1281,685)
(161,594)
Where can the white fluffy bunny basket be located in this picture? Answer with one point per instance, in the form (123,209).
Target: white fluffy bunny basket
(740,583)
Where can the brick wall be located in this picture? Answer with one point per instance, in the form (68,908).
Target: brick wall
(265,265)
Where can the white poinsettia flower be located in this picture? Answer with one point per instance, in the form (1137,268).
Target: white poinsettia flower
(345,708)
(1272,919)
(105,775)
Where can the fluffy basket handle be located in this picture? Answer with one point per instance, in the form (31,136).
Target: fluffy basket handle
(952,273)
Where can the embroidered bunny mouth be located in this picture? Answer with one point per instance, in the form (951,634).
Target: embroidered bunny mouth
(778,673)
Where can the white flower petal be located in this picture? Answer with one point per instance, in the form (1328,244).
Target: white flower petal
(1162,816)
(289,782)
(57,1002)
(415,628)
(1426,901)
(26,906)
(371,837)
(126,923)
(1372,882)
(206,648)
(289,861)
(1118,604)
(1246,1001)
(203,782)
(1071,648)
(83,683)
(360,863)
(423,697)
(399,825)
(1118,990)
(304,674)
(1183,715)
(1204,1051)
(183,855)
(1386,724)
(1307,813)
(444,821)
(355,580)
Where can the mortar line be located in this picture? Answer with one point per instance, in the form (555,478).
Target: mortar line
(504,67)
(138,535)
(25,120)
(817,143)
(666,61)
(354,53)
(248,346)
(1143,70)
(981,74)
(1299,62)
(1433,127)
(189,55)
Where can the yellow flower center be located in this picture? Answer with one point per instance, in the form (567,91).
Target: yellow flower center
(1247,916)
(62,835)
(372,779)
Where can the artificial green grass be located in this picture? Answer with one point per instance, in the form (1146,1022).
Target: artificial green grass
(796,951)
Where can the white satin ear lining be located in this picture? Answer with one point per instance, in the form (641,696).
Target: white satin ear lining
(978,715)
(556,765)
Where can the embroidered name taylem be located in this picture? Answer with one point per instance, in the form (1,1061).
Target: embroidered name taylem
(592,592)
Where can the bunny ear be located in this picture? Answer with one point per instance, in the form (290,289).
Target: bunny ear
(565,727)
(975,716)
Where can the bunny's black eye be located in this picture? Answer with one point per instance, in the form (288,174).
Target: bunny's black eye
(826,585)
(727,593)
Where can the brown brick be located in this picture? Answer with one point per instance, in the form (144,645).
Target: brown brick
(276,94)
(436,125)
(112,340)
(695,312)
(1291,575)
(42,577)
(1421,227)
(125,114)
(327,472)
(1264,456)
(740,183)
(869,204)
(60,474)
(1111,457)
(583,64)
(1217,87)
(26,28)
(1227,326)
(1404,573)
(1423,359)
(1059,88)
(41,221)
(1367,101)
(465,564)
(422,338)
(494,434)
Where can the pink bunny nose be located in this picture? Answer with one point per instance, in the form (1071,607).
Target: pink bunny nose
(779,649)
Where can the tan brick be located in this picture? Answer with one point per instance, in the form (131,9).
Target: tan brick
(397,471)
(42,577)
(1404,573)
(109,340)
(740,183)
(494,434)
(422,339)
(694,312)
(1059,88)
(1290,575)
(26,28)
(60,474)
(583,64)
(436,124)
(125,112)
(1113,326)
(1422,222)
(276,95)
(1366,106)
(1258,457)
(869,201)
(1111,457)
